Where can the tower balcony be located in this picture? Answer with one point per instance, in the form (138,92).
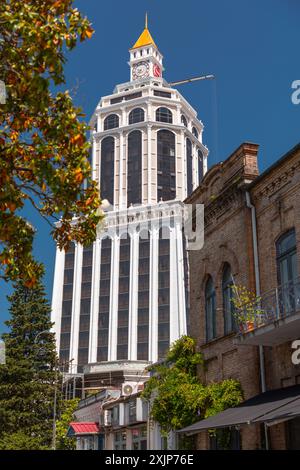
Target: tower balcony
(275,319)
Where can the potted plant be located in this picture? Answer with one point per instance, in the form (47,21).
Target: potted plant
(247,309)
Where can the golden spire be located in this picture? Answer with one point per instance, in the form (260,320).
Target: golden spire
(145,38)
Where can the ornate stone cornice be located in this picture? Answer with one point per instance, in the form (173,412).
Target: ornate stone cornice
(273,185)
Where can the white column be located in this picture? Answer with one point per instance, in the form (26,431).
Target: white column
(184,175)
(94,312)
(174,326)
(133,296)
(114,298)
(76,307)
(194,167)
(182,320)
(178,112)
(57,295)
(153,300)
(149,163)
(122,196)
(95,162)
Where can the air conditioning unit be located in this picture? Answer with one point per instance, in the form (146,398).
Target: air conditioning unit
(129,388)
(107,418)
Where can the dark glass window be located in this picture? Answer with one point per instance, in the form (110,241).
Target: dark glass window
(119,99)
(123,305)
(111,122)
(65,333)
(136,115)
(164,115)
(163,292)
(228,307)
(195,132)
(189,166)
(225,439)
(143,296)
(162,94)
(132,96)
(287,272)
(107,169)
(134,168)
(166,177)
(104,300)
(85,303)
(200,165)
(184,120)
(210,310)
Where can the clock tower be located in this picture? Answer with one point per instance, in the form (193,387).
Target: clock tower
(145,58)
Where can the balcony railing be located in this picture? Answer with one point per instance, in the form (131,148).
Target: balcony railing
(276,305)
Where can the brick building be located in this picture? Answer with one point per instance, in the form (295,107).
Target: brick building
(252,238)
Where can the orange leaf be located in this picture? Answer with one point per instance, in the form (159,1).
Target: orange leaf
(89,32)
(78,175)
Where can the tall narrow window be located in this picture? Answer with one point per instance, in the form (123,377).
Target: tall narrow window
(136,115)
(184,120)
(164,115)
(200,166)
(111,122)
(163,292)
(189,166)
(228,307)
(66,319)
(123,307)
(104,300)
(107,169)
(210,310)
(85,304)
(289,289)
(143,296)
(195,132)
(134,168)
(166,177)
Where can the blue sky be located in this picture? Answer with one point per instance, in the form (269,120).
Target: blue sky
(251,46)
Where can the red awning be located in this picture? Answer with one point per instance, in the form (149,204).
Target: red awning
(85,428)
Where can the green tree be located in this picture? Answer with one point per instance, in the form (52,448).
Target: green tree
(29,377)
(63,442)
(176,395)
(43,146)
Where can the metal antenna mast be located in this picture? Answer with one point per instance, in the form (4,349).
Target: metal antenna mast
(193,79)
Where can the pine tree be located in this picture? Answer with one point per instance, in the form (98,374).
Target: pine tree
(29,378)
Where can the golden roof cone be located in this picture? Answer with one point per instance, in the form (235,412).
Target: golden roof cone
(145,38)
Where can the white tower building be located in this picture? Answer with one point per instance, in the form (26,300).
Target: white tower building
(118,304)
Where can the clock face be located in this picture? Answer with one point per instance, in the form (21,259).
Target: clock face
(156,71)
(141,70)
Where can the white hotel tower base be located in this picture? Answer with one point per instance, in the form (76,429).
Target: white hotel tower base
(118,304)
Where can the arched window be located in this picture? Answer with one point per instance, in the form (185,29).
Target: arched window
(184,120)
(136,115)
(111,121)
(195,132)
(228,307)
(107,169)
(200,165)
(164,115)
(134,168)
(189,166)
(166,177)
(287,273)
(210,309)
